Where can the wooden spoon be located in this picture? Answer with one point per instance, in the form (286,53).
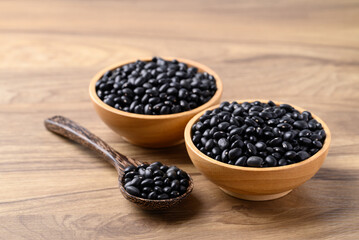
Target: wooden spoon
(71,130)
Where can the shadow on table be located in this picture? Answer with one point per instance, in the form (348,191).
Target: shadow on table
(330,196)
(184,211)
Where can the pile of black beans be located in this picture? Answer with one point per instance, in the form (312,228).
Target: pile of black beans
(156,87)
(258,134)
(155,181)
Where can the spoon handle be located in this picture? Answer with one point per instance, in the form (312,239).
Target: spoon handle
(71,130)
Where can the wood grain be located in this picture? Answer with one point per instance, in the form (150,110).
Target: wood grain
(303,52)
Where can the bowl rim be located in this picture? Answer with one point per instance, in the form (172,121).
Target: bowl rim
(202,67)
(190,144)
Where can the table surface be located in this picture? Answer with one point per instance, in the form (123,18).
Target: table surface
(301,52)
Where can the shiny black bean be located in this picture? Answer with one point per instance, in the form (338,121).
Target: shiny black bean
(255,161)
(241,161)
(260,146)
(234,153)
(275,141)
(287,146)
(271,161)
(305,141)
(302,155)
(300,124)
(251,149)
(290,155)
(317,144)
(133,190)
(223,143)
(282,162)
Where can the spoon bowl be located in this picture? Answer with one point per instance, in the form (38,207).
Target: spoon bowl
(71,130)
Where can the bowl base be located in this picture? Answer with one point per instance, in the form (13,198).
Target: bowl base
(256,197)
(151,145)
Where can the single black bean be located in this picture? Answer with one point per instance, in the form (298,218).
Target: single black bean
(223,143)
(251,149)
(171,174)
(300,124)
(290,155)
(275,141)
(147,183)
(234,153)
(175,184)
(133,190)
(317,144)
(255,161)
(282,162)
(260,146)
(271,161)
(241,161)
(163,196)
(152,195)
(302,155)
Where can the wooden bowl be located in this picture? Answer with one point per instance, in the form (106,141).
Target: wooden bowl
(153,131)
(256,184)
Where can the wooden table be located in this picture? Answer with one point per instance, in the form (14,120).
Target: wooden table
(302,52)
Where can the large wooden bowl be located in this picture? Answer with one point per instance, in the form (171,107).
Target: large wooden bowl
(150,130)
(257,184)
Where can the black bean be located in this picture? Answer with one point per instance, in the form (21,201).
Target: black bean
(165,110)
(219,134)
(163,196)
(305,141)
(260,146)
(158,178)
(174,194)
(302,155)
(152,195)
(184,182)
(282,162)
(234,153)
(223,143)
(271,161)
(290,155)
(238,143)
(275,141)
(305,133)
(130,174)
(171,174)
(317,144)
(255,161)
(300,124)
(133,190)
(147,182)
(223,125)
(175,184)
(251,149)
(287,146)
(183,189)
(158,189)
(167,190)
(129,168)
(209,144)
(241,161)
(284,126)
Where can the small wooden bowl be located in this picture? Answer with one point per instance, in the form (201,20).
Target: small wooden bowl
(256,184)
(153,131)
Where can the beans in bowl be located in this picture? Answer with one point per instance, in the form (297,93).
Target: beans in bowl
(156,87)
(258,134)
